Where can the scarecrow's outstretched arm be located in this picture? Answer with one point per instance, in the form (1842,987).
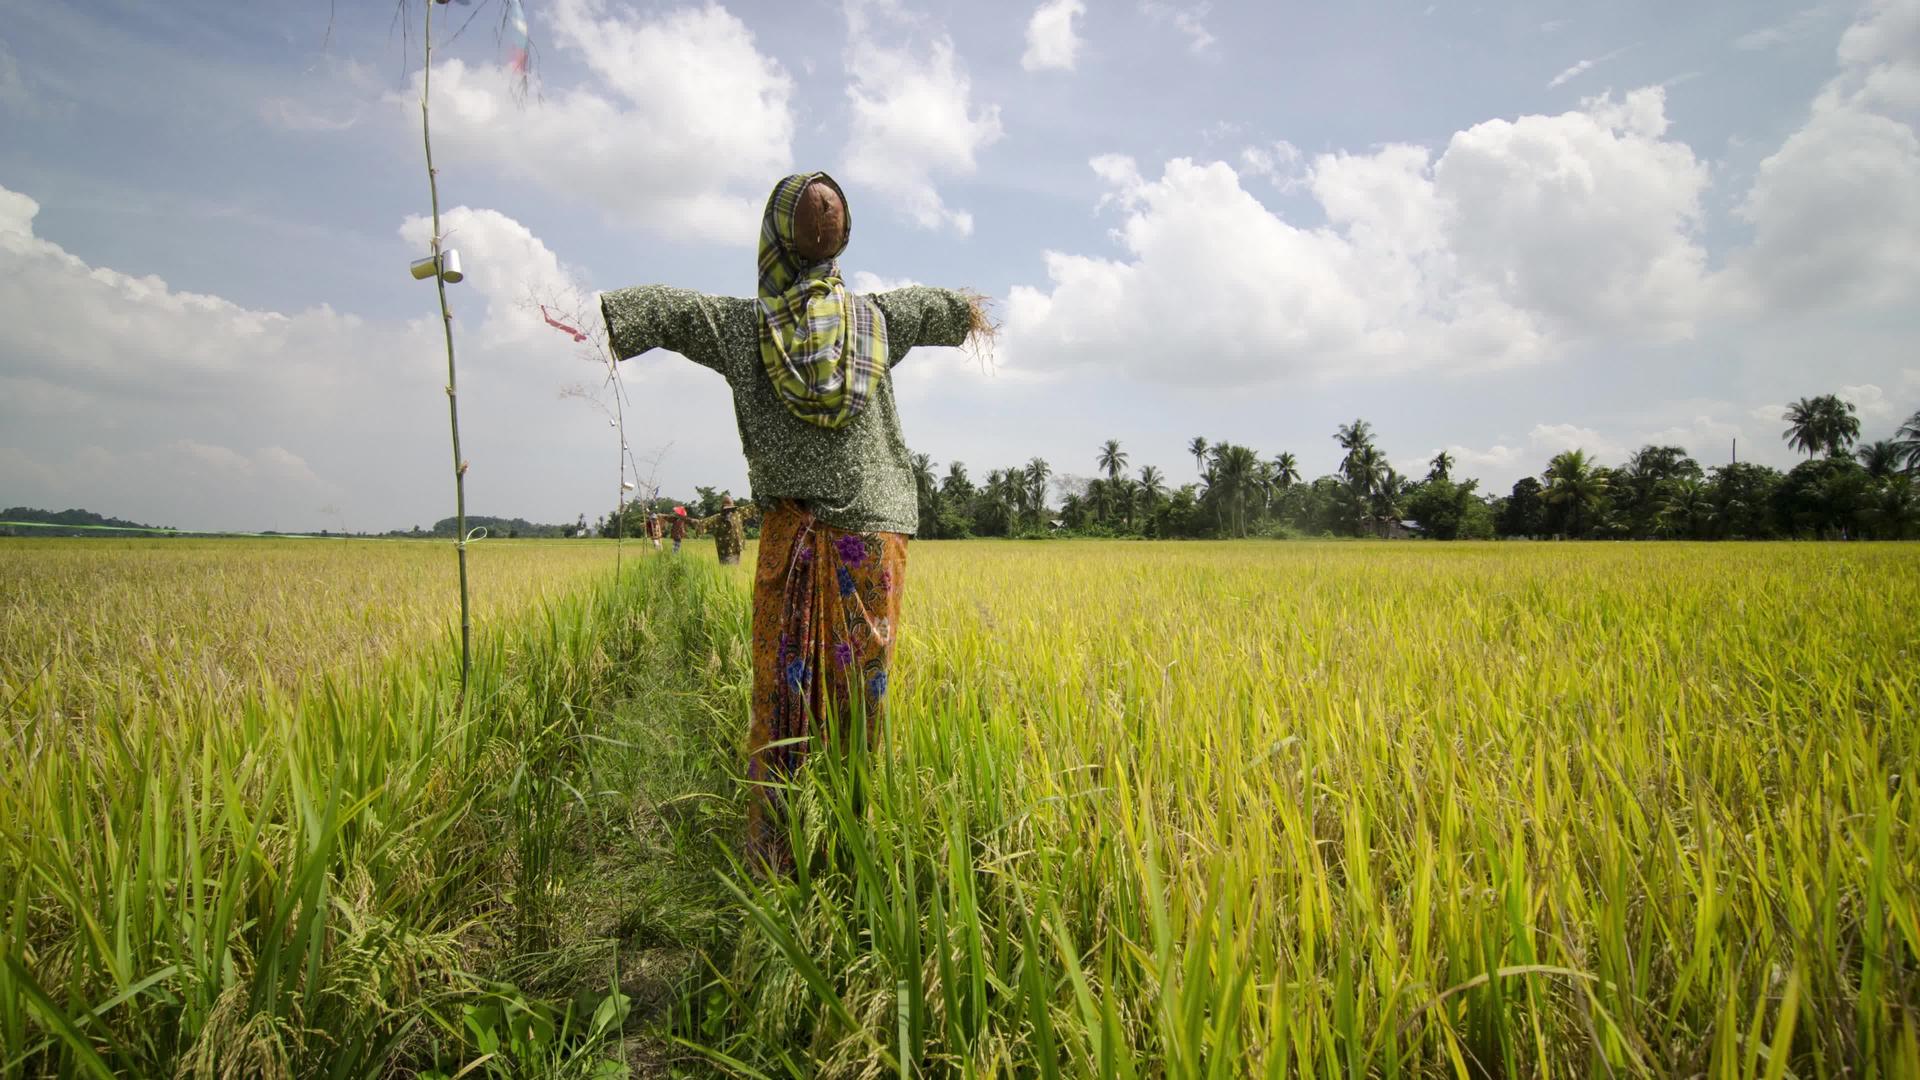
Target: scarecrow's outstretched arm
(662,317)
(921,315)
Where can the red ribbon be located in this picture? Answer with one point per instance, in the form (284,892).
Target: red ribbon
(558,325)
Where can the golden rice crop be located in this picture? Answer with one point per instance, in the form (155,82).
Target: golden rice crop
(1143,810)
(144,617)
(248,824)
(1368,809)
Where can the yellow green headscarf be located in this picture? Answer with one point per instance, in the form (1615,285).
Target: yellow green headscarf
(823,347)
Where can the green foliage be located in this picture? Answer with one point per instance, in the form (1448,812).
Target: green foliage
(66,517)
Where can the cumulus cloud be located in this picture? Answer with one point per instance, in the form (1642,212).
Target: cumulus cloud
(1836,210)
(1519,236)
(913,115)
(129,396)
(677,129)
(1051,41)
(1871,401)
(866,281)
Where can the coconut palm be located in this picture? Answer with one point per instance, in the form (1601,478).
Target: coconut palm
(956,490)
(1441,467)
(1112,458)
(1148,491)
(1198,448)
(928,491)
(1233,470)
(1286,470)
(1389,498)
(1686,508)
(1353,436)
(1036,474)
(1881,459)
(1576,483)
(1908,439)
(1822,423)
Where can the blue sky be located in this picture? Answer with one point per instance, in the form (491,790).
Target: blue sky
(1500,229)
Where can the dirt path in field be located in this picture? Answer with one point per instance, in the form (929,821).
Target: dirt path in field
(647,868)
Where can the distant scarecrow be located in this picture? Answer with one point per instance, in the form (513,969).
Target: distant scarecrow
(729,531)
(808,365)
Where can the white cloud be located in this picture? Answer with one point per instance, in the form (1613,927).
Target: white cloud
(1051,41)
(1871,401)
(511,269)
(913,114)
(1550,439)
(1771,414)
(1188,20)
(678,130)
(128,396)
(1582,68)
(1589,218)
(1836,210)
(1519,236)
(1279,163)
(866,281)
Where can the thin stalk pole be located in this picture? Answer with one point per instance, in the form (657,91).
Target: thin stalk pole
(453,395)
(619,419)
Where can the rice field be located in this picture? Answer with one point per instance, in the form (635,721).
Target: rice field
(1229,809)
(134,619)
(1368,809)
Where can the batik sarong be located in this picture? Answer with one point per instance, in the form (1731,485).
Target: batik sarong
(826,605)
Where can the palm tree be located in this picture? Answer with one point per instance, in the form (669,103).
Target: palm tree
(1573,481)
(1909,441)
(1198,448)
(1441,467)
(1686,509)
(927,490)
(1112,458)
(1152,484)
(1363,470)
(1234,468)
(1037,472)
(956,479)
(1389,496)
(1823,423)
(1881,459)
(1286,470)
(1353,436)
(1003,494)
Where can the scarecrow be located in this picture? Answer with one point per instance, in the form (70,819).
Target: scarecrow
(729,531)
(807,362)
(678,526)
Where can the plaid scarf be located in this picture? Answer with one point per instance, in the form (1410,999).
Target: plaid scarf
(823,347)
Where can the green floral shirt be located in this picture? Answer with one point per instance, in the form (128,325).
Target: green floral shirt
(857,477)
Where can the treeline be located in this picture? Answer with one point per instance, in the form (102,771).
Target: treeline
(634,523)
(79,522)
(1843,490)
(501,528)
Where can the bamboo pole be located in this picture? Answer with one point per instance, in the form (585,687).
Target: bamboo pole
(453,395)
